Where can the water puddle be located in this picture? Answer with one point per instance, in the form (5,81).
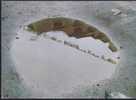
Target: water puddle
(50,65)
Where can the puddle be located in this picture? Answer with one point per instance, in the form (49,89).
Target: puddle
(54,68)
(51,67)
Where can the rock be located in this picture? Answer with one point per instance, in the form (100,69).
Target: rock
(17,37)
(116,11)
(53,38)
(111,61)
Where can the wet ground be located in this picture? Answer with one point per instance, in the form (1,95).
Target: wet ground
(119,26)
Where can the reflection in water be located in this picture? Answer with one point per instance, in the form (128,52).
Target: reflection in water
(72,27)
(76,46)
(53,68)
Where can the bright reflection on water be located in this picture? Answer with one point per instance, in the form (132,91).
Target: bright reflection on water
(52,68)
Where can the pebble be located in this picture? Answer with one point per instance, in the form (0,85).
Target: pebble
(116,11)
(121,47)
(17,37)
(98,84)
(112,61)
